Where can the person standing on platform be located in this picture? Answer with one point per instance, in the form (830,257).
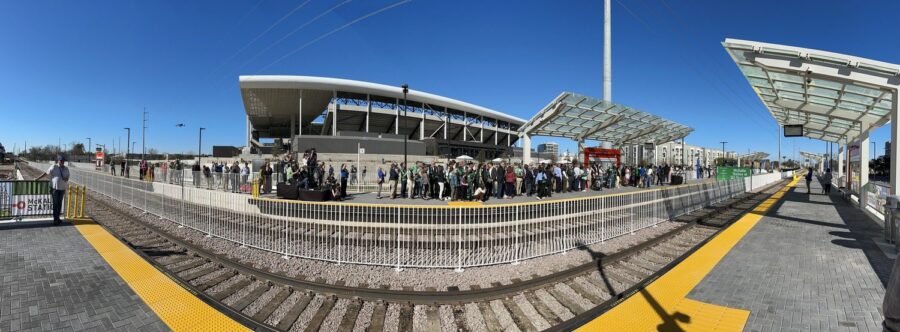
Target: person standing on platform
(380,181)
(809,176)
(345,175)
(363,178)
(245,173)
(112,168)
(826,182)
(393,177)
(59,182)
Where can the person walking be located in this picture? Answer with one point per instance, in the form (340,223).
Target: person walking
(59,182)
(809,176)
(826,182)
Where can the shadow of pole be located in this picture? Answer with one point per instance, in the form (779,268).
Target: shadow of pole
(670,322)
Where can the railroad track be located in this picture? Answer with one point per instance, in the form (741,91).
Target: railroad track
(271,301)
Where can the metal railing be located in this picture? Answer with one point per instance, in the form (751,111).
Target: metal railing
(408,236)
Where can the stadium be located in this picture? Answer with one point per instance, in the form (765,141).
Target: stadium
(334,114)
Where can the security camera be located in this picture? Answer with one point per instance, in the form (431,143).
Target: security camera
(808,80)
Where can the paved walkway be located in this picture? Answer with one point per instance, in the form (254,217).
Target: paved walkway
(809,265)
(51,279)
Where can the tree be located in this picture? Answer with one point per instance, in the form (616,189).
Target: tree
(77,149)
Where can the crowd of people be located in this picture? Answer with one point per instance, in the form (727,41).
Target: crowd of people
(470,181)
(453,181)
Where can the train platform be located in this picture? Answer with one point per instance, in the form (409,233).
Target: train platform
(77,276)
(797,262)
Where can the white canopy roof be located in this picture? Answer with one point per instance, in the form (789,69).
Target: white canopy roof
(580,117)
(834,96)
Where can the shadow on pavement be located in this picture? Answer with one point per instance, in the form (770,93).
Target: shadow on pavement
(670,322)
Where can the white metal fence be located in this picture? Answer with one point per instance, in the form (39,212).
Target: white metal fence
(408,236)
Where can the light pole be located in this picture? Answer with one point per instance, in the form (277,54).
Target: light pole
(723,152)
(200,146)
(144,118)
(405,91)
(89,146)
(127,150)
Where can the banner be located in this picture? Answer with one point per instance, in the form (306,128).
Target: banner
(31,205)
(729,173)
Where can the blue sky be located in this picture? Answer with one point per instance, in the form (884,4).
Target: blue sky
(77,69)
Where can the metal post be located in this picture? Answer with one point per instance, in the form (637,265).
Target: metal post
(200,147)
(405,161)
(607,51)
(127,151)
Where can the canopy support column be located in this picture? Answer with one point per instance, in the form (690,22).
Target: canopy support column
(368,110)
(863,169)
(334,113)
(840,164)
(526,149)
(895,144)
(300,116)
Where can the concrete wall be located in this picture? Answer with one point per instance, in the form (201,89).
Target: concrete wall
(761,180)
(347,144)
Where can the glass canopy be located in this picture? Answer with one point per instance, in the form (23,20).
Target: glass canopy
(755,156)
(580,117)
(826,101)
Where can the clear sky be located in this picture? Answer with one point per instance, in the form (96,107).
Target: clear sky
(77,69)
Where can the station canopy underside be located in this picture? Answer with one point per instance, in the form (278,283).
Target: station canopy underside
(810,155)
(834,96)
(580,117)
(755,156)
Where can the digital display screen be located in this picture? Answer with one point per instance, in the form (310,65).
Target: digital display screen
(793,130)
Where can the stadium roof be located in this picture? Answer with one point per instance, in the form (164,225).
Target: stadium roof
(580,117)
(276,96)
(834,96)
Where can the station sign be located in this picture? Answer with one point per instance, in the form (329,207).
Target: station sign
(724,173)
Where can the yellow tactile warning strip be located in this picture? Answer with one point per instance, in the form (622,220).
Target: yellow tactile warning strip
(455,203)
(176,306)
(663,306)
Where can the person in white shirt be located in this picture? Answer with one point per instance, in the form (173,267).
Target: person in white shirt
(59,182)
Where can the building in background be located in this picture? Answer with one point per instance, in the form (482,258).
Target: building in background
(549,148)
(335,116)
(670,153)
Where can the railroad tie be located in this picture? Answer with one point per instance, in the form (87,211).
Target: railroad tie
(215,281)
(273,304)
(565,301)
(188,266)
(230,290)
(601,288)
(377,322)
(543,309)
(406,318)
(590,296)
(350,316)
(519,316)
(490,318)
(459,317)
(250,297)
(321,314)
(434,319)
(291,316)
(200,273)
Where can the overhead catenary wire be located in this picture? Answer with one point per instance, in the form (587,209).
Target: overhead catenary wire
(261,34)
(691,65)
(338,29)
(301,27)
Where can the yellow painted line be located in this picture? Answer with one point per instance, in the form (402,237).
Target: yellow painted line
(176,306)
(663,305)
(464,203)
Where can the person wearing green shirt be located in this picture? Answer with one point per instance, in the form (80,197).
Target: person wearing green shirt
(520,174)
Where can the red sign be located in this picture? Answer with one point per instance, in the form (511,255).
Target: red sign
(100,155)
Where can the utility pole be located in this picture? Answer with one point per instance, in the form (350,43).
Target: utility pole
(144,119)
(89,151)
(200,146)
(127,150)
(723,152)
(607,51)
